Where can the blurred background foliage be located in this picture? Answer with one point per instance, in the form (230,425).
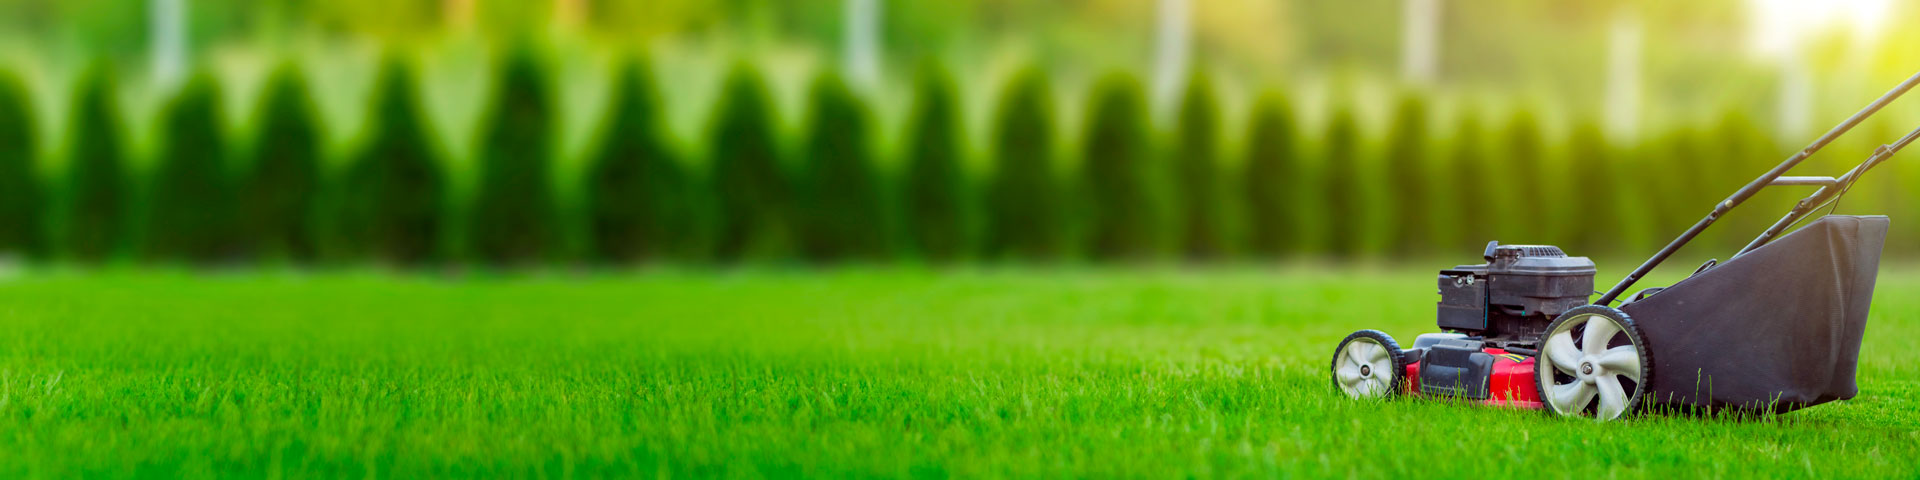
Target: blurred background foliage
(618,132)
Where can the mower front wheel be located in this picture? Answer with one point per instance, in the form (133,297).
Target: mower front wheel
(1368,364)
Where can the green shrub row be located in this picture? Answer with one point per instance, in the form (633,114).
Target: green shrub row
(1421,186)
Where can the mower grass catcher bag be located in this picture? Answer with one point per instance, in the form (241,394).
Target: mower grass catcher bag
(1775,329)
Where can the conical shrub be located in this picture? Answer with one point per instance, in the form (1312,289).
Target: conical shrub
(282,183)
(843,217)
(1471,198)
(751,191)
(1522,175)
(1588,155)
(1718,157)
(1407,171)
(1196,161)
(389,205)
(22,200)
(636,191)
(1020,199)
(1115,156)
(935,189)
(97,182)
(1682,154)
(1634,209)
(191,216)
(513,210)
(1339,156)
(1273,179)
(1745,151)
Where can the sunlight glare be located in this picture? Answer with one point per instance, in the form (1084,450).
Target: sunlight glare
(1778,27)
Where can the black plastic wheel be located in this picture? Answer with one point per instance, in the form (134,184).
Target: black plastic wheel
(1358,363)
(1593,363)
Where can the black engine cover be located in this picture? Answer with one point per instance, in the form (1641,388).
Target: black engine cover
(1509,300)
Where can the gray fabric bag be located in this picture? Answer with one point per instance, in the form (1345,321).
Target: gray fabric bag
(1776,329)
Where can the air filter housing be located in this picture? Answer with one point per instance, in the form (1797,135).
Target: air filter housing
(1511,298)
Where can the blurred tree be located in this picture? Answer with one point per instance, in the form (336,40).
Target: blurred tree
(751,188)
(1745,151)
(97,182)
(1641,232)
(1408,176)
(636,192)
(1470,193)
(1273,179)
(513,210)
(1600,227)
(1339,158)
(843,217)
(1197,161)
(1020,197)
(1520,182)
(191,216)
(1116,156)
(279,210)
(935,190)
(22,201)
(390,205)
(1678,191)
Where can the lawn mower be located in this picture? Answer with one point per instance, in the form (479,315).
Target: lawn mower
(1775,328)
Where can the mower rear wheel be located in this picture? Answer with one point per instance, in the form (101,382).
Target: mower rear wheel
(1368,364)
(1593,363)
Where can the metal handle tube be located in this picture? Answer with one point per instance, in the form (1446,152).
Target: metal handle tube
(1813,181)
(1825,194)
(1753,187)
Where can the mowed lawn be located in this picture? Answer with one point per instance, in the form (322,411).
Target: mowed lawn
(885,372)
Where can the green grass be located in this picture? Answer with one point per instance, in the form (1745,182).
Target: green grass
(854,373)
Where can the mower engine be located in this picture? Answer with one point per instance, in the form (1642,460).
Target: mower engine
(1509,300)
(1495,316)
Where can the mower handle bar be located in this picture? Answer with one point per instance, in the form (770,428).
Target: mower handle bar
(1829,192)
(1819,181)
(1751,188)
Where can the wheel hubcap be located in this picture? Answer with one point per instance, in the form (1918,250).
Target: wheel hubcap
(1598,373)
(1355,365)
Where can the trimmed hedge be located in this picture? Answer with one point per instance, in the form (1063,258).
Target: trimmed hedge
(837,200)
(282,183)
(1745,150)
(97,182)
(1340,157)
(22,200)
(512,223)
(1274,180)
(1410,223)
(1196,162)
(1471,198)
(751,190)
(935,190)
(389,205)
(636,193)
(1593,193)
(1521,180)
(1022,218)
(1682,156)
(192,205)
(1114,159)
(843,218)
